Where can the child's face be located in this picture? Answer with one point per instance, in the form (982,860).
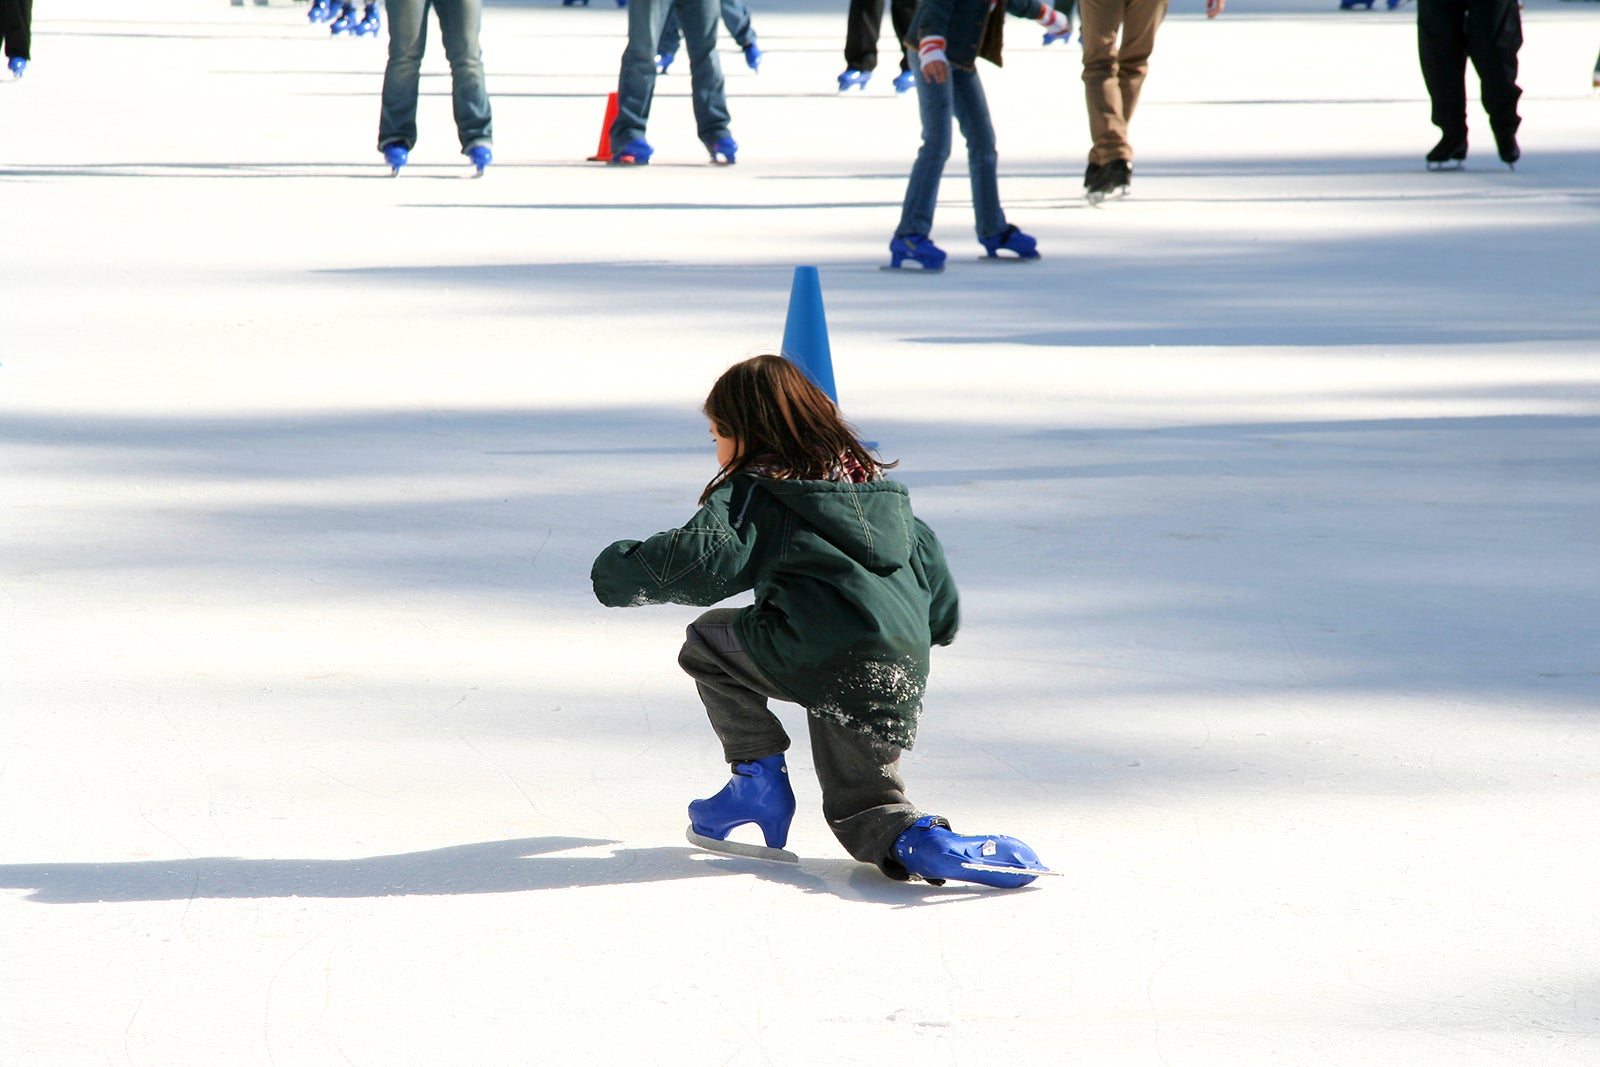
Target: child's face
(727,447)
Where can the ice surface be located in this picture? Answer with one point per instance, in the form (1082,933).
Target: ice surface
(1271,490)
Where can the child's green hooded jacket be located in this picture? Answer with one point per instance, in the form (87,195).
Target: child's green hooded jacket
(851,591)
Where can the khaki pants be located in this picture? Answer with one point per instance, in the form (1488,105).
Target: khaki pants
(1113,74)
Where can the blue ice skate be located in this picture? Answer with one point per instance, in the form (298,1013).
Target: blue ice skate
(370,23)
(481,157)
(759,793)
(322,11)
(346,22)
(935,853)
(854,79)
(904,81)
(636,153)
(664,60)
(396,155)
(917,248)
(1351,5)
(1010,239)
(724,151)
(752,57)
(17,66)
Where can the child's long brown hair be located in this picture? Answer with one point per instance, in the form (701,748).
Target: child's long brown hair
(784,424)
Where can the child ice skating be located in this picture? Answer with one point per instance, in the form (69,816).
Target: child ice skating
(851,592)
(947,38)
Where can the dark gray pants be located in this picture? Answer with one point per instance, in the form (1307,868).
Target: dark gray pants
(863,797)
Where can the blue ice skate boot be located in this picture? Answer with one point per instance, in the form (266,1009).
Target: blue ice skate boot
(724,151)
(346,22)
(752,57)
(396,155)
(854,79)
(1351,5)
(917,248)
(17,66)
(664,60)
(322,11)
(481,157)
(636,153)
(935,853)
(370,23)
(904,81)
(1010,239)
(759,792)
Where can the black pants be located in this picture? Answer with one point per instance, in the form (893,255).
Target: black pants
(16,26)
(866,22)
(1488,31)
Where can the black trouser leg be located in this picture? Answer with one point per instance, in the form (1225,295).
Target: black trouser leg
(1494,36)
(1442,48)
(861,34)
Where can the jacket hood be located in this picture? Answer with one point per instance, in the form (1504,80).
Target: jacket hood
(871,522)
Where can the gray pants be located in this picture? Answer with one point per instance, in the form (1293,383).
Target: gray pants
(863,797)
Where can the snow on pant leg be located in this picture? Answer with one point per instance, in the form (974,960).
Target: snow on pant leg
(861,30)
(863,796)
(937,106)
(460,23)
(1494,37)
(408,37)
(972,113)
(901,12)
(734,690)
(1442,50)
(699,18)
(636,80)
(736,18)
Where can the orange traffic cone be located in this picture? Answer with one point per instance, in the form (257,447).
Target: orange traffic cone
(602,152)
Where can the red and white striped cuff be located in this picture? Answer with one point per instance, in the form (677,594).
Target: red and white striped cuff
(931,51)
(1054,21)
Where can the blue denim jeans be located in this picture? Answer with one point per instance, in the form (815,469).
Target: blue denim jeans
(459,22)
(636,82)
(735,16)
(961,96)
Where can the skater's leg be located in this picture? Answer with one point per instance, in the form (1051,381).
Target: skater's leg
(1141,20)
(1442,50)
(901,13)
(972,112)
(460,22)
(636,80)
(736,18)
(1108,127)
(1494,37)
(671,38)
(699,18)
(863,796)
(863,24)
(937,106)
(734,690)
(408,25)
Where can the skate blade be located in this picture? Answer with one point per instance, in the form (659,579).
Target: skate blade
(739,848)
(919,270)
(1010,259)
(1000,868)
(1449,164)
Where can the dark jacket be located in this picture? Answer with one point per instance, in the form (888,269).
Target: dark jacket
(851,591)
(969,28)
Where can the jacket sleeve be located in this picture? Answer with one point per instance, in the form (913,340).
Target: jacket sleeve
(932,20)
(703,561)
(944,609)
(1026,9)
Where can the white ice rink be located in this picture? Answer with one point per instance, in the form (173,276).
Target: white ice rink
(1273,492)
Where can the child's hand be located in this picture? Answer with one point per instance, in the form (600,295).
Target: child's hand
(936,71)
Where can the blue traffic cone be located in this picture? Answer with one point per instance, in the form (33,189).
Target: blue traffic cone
(805,333)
